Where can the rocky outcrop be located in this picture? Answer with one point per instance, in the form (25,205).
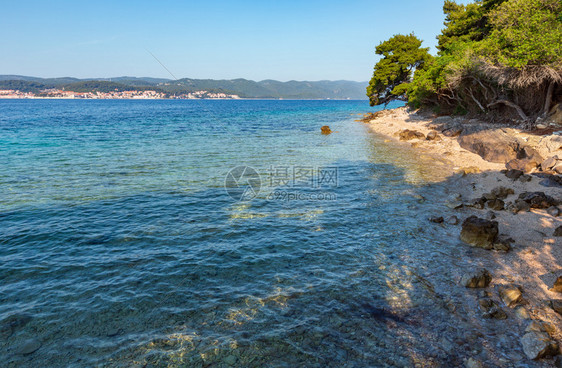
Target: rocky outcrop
(479,232)
(407,134)
(491,145)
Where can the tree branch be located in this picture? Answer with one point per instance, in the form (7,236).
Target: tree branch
(475,100)
(511,104)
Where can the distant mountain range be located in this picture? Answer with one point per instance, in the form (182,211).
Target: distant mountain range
(244,88)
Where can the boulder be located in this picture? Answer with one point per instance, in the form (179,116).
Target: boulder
(524,164)
(326,130)
(549,163)
(538,345)
(558,231)
(510,294)
(538,200)
(502,192)
(496,204)
(557,287)
(407,134)
(491,145)
(477,279)
(558,168)
(479,232)
(513,174)
(433,136)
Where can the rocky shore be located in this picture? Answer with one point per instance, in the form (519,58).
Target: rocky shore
(506,196)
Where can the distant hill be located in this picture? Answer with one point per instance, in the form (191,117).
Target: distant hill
(300,90)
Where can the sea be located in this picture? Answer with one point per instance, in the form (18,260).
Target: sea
(205,233)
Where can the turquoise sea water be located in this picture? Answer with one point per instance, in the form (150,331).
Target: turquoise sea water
(120,246)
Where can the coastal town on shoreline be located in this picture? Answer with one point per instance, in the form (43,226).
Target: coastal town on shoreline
(54,93)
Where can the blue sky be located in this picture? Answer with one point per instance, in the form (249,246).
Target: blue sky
(283,40)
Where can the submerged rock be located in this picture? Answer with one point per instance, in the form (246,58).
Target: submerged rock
(538,345)
(491,310)
(454,201)
(510,294)
(453,220)
(479,232)
(479,279)
(437,220)
(29,346)
(495,313)
(477,203)
(558,231)
(473,363)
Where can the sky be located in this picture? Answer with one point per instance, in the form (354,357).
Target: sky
(220,39)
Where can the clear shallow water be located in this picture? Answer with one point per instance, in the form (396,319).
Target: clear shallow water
(119,245)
